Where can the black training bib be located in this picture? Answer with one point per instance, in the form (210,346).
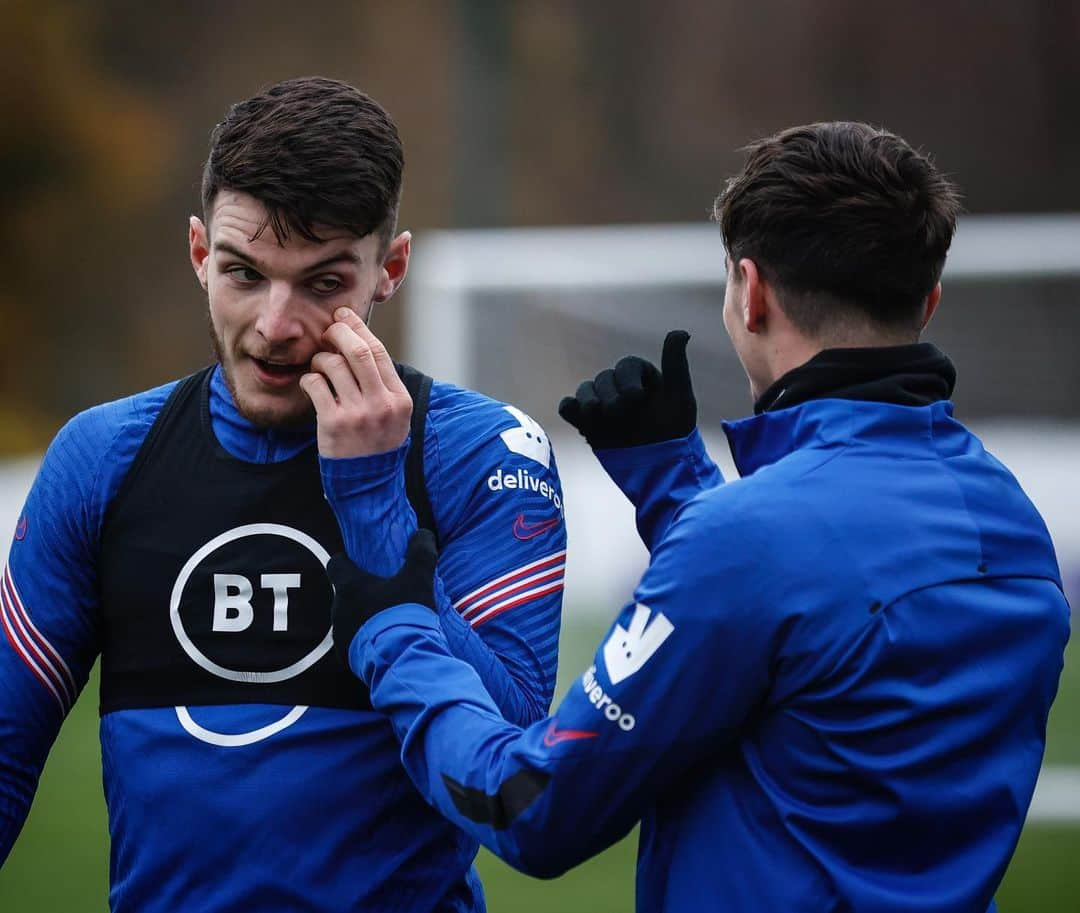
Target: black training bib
(212,570)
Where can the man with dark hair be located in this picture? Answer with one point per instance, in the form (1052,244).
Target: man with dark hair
(183,534)
(830,689)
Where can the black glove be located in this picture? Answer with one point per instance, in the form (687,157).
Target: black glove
(635,404)
(359,595)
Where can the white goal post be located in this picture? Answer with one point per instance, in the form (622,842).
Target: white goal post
(449,267)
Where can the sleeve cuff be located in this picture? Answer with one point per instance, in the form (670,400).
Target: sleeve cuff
(372,467)
(617,460)
(409,614)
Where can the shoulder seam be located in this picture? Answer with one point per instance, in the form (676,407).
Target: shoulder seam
(95,484)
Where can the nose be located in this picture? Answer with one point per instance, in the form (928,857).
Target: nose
(279,321)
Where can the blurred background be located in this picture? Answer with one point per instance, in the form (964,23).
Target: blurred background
(561,162)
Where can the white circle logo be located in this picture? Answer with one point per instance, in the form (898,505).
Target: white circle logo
(237,739)
(197,655)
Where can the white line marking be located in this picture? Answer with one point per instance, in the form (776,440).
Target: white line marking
(1057,795)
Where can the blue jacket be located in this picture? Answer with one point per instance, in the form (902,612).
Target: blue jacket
(829,692)
(274,808)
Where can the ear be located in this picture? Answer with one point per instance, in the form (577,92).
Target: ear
(394,266)
(755,302)
(932,301)
(199,248)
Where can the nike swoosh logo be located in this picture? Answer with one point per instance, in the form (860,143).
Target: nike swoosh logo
(524,530)
(555,735)
(20,530)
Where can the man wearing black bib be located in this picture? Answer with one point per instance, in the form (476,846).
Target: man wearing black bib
(182,533)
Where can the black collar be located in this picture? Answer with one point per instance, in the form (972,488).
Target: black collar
(911,375)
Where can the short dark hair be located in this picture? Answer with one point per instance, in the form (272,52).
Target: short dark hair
(844,217)
(313,151)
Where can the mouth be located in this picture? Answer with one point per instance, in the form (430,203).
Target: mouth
(277,373)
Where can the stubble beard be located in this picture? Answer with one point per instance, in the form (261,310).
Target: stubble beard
(266,418)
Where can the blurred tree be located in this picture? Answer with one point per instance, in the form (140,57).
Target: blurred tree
(626,111)
(567,111)
(480,182)
(81,154)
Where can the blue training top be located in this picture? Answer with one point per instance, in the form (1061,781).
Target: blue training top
(828,694)
(258,807)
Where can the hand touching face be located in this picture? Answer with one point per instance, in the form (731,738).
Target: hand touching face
(361,405)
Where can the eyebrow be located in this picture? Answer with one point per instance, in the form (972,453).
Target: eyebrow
(344,256)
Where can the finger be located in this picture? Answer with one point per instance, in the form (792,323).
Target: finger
(673,361)
(570,411)
(604,384)
(588,401)
(634,376)
(358,357)
(383,361)
(611,404)
(318,391)
(336,369)
(422,554)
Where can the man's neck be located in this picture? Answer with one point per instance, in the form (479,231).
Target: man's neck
(796,349)
(245,440)
(909,375)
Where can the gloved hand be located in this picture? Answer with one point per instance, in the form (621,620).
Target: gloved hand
(358,595)
(636,404)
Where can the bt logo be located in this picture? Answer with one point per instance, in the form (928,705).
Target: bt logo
(238,626)
(261,627)
(232,600)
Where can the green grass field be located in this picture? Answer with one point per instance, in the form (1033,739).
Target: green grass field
(60,861)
